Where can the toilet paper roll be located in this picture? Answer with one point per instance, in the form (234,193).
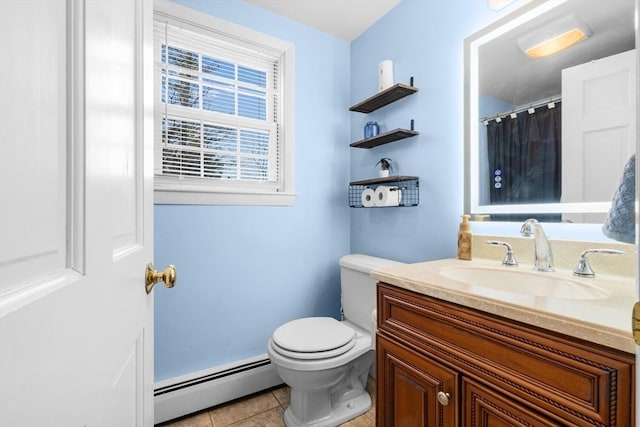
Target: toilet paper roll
(368,198)
(385,75)
(387,196)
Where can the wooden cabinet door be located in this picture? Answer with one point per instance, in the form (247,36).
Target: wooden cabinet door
(565,379)
(408,388)
(484,407)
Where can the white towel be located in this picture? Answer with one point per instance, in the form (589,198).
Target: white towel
(620,223)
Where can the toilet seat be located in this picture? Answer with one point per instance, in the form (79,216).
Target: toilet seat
(313,338)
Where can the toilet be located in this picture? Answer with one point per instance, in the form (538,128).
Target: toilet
(326,362)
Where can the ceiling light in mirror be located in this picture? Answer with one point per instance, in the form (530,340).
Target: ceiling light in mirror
(554,38)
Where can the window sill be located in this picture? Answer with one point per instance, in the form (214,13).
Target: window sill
(193,195)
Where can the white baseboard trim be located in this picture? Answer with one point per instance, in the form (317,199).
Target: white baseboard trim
(194,392)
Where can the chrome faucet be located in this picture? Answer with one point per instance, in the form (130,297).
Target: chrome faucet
(543,256)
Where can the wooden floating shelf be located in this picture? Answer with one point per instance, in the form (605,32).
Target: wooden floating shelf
(384,180)
(383,98)
(384,138)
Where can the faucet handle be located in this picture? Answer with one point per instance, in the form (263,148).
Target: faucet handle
(583,269)
(509,259)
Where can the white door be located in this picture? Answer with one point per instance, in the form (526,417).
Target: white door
(76,336)
(598,129)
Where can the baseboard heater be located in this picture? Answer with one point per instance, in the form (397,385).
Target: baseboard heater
(191,393)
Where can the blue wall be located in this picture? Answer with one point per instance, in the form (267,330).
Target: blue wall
(424,39)
(243,271)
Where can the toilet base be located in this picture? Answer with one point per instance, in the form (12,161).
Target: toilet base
(341,412)
(326,392)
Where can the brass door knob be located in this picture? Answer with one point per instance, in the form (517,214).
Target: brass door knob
(168,276)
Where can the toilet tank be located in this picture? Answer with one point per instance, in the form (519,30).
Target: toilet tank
(358,288)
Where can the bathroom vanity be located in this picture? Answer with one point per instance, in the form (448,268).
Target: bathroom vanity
(454,354)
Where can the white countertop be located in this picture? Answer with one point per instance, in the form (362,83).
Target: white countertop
(605,321)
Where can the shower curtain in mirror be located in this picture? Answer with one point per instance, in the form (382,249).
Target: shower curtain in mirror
(525,157)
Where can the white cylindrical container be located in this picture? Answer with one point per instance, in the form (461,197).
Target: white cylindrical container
(385,75)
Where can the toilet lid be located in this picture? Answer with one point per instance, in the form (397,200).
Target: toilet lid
(314,337)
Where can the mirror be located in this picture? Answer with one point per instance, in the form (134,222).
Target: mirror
(578,104)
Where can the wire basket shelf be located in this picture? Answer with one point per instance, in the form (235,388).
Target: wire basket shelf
(408,188)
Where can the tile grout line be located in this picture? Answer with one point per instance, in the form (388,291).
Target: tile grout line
(280,405)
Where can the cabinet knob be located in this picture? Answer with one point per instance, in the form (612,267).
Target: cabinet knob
(443,398)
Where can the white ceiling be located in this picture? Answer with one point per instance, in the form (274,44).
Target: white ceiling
(345,19)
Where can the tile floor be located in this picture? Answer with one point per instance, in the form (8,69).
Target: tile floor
(263,409)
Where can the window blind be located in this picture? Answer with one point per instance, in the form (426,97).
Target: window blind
(218,103)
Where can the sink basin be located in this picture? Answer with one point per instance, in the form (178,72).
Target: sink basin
(532,283)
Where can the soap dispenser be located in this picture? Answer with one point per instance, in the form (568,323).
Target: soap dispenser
(464,239)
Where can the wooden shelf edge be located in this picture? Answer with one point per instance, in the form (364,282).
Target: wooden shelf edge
(388,179)
(387,96)
(384,138)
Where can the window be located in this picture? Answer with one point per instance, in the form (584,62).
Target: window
(223,112)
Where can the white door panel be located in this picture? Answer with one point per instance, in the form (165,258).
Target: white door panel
(33,140)
(598,129)
(111,126)
(76,337)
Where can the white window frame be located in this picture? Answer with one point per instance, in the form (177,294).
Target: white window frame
(184,190)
